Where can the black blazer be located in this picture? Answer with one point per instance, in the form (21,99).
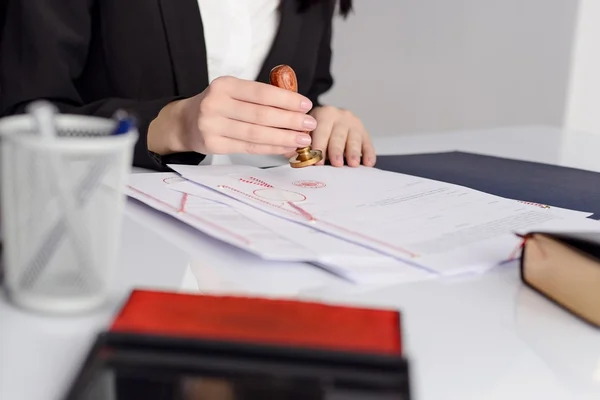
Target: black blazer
(96,56)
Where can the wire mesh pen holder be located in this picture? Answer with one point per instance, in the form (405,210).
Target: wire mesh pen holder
(62,204)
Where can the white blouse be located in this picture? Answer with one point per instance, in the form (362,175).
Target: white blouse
(238,35)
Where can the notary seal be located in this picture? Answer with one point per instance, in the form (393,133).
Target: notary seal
(310,184)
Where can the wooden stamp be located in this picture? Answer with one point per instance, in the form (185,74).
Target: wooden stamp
(283,76)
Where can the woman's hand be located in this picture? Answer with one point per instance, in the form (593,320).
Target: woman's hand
(234,116)
(339,133)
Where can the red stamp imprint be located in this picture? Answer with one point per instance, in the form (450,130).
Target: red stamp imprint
(534,204)
(310,184)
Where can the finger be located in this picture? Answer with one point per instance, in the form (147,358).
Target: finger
(320,137)
(353,148)
(262,93)
(368,151)
(241,147)
(270,116)
(265,135)
(337,143)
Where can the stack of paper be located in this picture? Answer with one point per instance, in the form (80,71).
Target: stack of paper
(363,224)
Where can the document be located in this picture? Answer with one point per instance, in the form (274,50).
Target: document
(441,227)
(216,219)
(266,235)
(353,262)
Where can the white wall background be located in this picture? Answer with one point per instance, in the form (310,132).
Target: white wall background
(407,66)
(583,107)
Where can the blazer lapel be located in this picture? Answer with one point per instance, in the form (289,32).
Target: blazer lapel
(282,50)
(185,37)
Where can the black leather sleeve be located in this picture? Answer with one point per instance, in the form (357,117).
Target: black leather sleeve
(44,46)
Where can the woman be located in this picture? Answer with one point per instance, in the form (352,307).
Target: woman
(194,72)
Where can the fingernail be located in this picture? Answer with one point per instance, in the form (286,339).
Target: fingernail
(309,123)
(303,140)
(306,105)
(338,158)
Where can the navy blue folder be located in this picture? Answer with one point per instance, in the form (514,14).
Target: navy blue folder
(520,180)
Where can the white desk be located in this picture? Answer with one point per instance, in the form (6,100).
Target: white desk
(485,337)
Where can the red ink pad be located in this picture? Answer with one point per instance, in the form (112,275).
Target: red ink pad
(262,322)
(258,348)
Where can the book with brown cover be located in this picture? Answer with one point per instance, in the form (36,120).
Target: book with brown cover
(565,268)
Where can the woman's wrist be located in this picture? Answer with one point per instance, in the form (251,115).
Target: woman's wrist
(166,131)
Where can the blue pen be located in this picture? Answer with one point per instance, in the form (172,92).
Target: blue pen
(124,122)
